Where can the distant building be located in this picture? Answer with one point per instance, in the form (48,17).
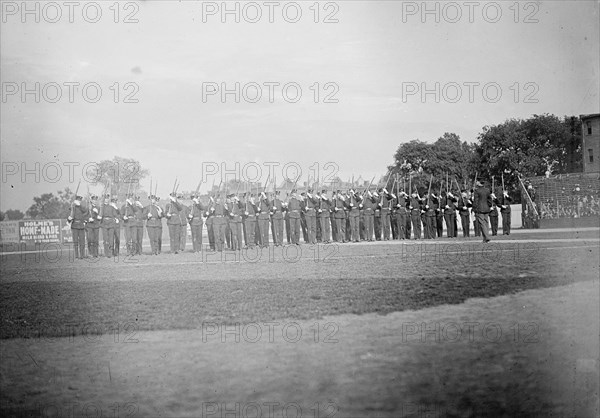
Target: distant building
(590,130)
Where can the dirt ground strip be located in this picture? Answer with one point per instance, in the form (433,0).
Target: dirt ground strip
(534,353)
(373,330)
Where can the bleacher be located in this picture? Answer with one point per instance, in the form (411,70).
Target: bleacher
(559,188)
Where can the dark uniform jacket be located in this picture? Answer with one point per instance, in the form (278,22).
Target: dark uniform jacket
(482,200)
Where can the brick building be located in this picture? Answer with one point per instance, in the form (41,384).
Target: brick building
(590,130)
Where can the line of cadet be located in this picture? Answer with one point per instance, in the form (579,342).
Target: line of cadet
(234,222)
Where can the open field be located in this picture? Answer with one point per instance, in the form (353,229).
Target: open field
(436,328)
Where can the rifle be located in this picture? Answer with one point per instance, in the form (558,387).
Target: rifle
(502,183)
(457,185)
(368,187)
(294,186)
(447,189)
(410,182)
(267,182)
(155,188)
(246,197)
(103,194)
(429,191)
(150,192)
(306,188)
(527,194)
(173,192)
(493,184)
(73,202)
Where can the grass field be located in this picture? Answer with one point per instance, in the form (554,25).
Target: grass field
(438,328)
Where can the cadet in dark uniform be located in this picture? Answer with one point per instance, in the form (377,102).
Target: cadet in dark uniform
(219,210)
(195,219)
(504,203)
(430,215)
(286,218)
(277,208)
(449,206)
(235,209)
(92,228)
(325,213)
(128,223)
(354,204)
(377,216)
(294,208)
(250,222)
(482,204)
(138,225)
(347,217)
(174,222)
(463,209)
(402,214)
(264,210)
(369,205)
(439,215)
(160,228)
(153,213)
(415,214)
(494,216)
(77,218)
(303,225)
(310,207)
(384,205)
(103,225)
(110,222)
(340,217)
(210,230)
(183,219)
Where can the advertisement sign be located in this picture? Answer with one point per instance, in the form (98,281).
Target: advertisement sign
(40,231)
(9,231)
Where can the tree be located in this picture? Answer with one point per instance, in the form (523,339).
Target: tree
(49,206)
(419,160)
(531,147)
(118,176)
(13,215)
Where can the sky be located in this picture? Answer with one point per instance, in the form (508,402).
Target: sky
(360,69)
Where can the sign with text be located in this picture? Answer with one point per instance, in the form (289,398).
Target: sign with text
(40,231)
